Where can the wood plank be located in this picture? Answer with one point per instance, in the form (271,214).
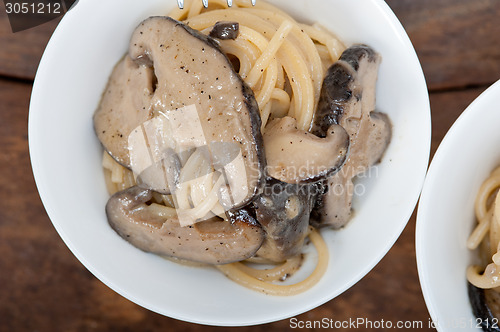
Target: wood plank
(456,40)
(20,52)
(45,288)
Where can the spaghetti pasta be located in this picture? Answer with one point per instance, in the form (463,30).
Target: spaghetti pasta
(275,53)
(486,234)
(277,56)
(284,62)
(250,280)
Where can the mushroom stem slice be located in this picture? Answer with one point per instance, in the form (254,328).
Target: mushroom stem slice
(348,99)
(283,210)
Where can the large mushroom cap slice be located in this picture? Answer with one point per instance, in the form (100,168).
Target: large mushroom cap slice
(198,101)
(193,72)
(212,241)
(124,105)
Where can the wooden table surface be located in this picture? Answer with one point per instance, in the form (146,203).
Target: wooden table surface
(43,287)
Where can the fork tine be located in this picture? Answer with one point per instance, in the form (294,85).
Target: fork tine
(180,3)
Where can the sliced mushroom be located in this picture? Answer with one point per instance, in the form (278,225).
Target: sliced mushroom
(212,241)
(297,156)
(192,73)
(225,30)
(485,306)
(162,175)
(283,210)
(348,99)
(349,83)
(192,70)
(125,104)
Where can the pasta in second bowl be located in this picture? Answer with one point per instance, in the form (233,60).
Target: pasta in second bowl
(383,201)
(453,192)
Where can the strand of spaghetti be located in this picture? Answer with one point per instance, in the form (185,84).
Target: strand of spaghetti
(334,48)
(303,94)
(128,178)
(266,111)
(200,189)
(281,96)
(323,52)
(261,43)
(248,281)
(186,174)
(496,209)
(494,229)
(293,63)
(244,51)
(195,9)
(479,232)
(486,189)
(280,82)
(496,172)
(254,37)
(301,41)
(319,27)
(281,103)
(315,34)
(205,207)
(266,91)
(330,43)
(494,236)
(273,72)
(201,185)
(117,173)
(487,208)
(290,266)
(180,14)
(162,211)
(107,161)
(110,185)
(496,258)
(483,280)
(298,37)
(267,56)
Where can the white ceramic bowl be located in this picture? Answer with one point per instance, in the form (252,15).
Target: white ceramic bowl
(465,158)
(66,159)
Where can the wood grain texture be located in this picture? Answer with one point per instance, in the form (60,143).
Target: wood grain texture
(45,288)
(456,40)
(20,52)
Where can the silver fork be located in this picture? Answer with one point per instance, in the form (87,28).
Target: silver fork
(180,3)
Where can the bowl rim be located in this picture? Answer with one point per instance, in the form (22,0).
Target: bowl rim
(430,183)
